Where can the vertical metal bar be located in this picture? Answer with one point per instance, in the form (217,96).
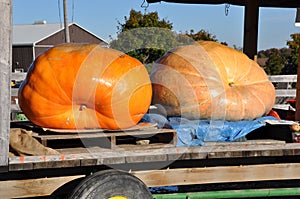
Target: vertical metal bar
(251,27)
(5,73)
(66,24)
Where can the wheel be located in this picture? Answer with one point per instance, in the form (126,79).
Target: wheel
(111,184)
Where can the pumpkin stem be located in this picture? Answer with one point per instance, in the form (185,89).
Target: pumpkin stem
(231,84)
(82,107)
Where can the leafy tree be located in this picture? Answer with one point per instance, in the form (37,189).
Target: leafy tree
(201,35)
(292,60)
(146,37)
(277,59)
(275,63)
(137,20)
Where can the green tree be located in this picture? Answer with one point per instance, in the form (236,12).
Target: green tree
(146,37)
(292,60)
(275,63)
(137,20)
(276,60)
(201,35)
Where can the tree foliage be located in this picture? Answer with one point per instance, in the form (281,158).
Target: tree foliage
(282,61)
(275,63)
(292,60)
(137,20)
(201,35)
(147,37)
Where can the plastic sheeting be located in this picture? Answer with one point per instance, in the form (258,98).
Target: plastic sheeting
(197,132)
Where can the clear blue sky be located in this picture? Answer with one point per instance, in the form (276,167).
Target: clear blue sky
(101,18)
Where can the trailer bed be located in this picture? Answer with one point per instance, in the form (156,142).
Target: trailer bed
(156,164)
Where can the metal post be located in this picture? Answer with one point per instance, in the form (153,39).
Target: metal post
(5,72)
(67,34)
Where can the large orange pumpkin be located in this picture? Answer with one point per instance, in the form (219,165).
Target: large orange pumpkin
(76,86)
(207,80)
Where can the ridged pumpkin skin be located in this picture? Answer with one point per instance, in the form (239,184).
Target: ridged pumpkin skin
(207,80)
(77,86)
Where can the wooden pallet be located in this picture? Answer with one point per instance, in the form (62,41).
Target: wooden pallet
(142,135)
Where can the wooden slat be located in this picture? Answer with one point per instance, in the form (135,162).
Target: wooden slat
(285,92)
(220,174)
(5,71)
(33,187)
(283,78)
(139,126)
(110,139)
(121,156)
(164,177)
(18,76)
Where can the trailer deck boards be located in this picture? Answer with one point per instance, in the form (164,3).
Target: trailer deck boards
(156,164)
(98,156)
(253,160)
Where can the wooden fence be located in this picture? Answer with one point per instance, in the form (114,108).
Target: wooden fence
(285,88)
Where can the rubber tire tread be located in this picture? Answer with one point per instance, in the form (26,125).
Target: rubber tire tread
(108,183)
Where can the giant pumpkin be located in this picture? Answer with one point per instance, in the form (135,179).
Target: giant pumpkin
(207,80)
(77,86)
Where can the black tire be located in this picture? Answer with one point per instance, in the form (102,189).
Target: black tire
(111,183)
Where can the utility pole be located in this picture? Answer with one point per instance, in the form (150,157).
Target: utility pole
(66,24)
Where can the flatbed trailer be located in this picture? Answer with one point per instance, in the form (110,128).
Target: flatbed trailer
(129,168)
(155,165)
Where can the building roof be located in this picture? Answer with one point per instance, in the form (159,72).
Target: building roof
(30,34)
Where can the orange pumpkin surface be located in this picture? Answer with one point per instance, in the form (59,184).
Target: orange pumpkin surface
(207,80)
(76,86)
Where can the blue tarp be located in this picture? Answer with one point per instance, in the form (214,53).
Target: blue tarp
(197,132)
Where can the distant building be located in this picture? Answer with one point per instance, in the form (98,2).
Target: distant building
(29,40)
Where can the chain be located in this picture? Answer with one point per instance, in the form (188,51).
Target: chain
(145,5)
(227,6)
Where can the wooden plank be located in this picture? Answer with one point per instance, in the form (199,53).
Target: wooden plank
(219,174)
(138,127)
(18,76)
(283,78)
(285,92)
(5,71)
(139,134)
(165,177)
(33,187)
(121,156)
(108,139)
